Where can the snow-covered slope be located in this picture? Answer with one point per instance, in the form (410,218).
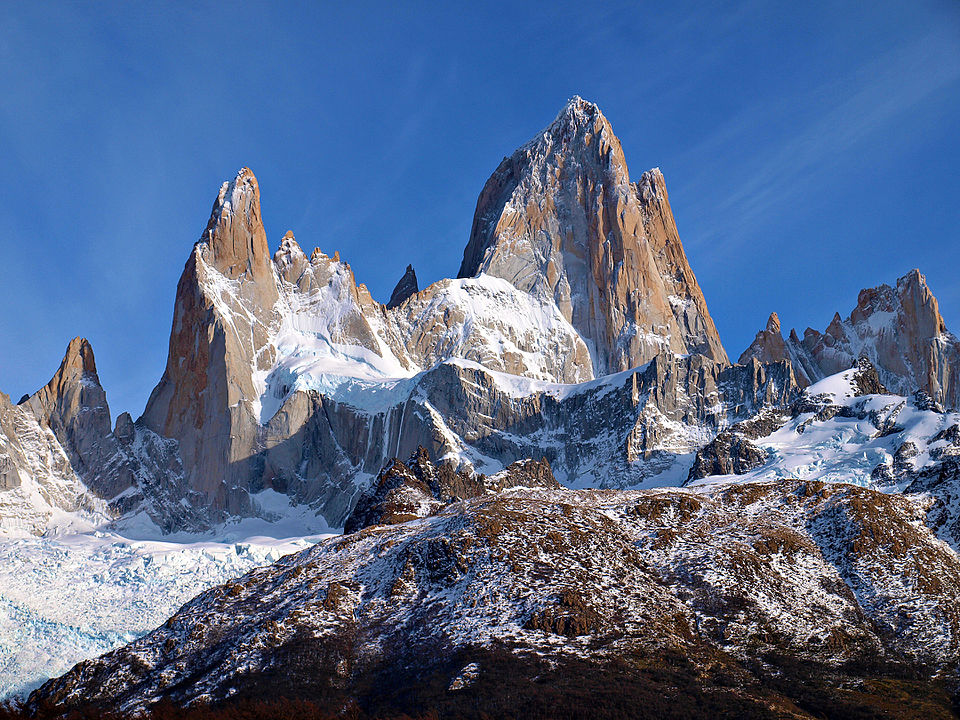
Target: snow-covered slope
(866,433)
(69,598)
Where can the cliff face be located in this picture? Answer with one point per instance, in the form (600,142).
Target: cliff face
(74,406)
(406,287)
(899,329)
(561,220)
(63,468)
(224,308)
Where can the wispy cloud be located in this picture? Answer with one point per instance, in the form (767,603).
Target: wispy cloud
(820,130)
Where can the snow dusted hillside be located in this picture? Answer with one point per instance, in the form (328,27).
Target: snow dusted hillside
(795,584)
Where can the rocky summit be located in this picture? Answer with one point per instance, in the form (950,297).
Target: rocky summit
(540,486)
(899,329)
(561,220)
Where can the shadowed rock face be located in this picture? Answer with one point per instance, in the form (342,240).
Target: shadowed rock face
(419,488)
(900,330)
(560,219)
(405,288)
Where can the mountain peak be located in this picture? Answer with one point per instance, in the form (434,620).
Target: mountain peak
(74,405)
(78,367)
(561,220)
(79,356)
(234,234)
(578,109)
(406,287)
(773,323)
(898,329)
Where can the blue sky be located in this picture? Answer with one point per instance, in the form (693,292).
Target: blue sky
(810,149)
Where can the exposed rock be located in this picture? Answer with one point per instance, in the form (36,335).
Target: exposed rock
(419,488)
(923,401)
(37,480)
(406,287)
(59,447)
(900,330)
(769,346)
(220,339)
(560,219)
(404,491)
(74,406)
(866,381)
(124,431)
(252,400)
(727,454)
(522,474)
(731,452)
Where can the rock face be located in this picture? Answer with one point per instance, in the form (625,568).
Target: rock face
(223,312)
(769,346)
(418,488)
(38,484)
(74,406)
(561,220)
(545,602)
(900,330)
(405,288)
(62,468)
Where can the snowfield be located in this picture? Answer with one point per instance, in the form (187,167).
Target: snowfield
(848,446)
(65,599)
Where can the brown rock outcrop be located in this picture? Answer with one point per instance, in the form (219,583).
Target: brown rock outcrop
(207,398)
(420,488)
(74,405)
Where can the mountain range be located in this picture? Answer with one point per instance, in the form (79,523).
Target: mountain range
(545,469)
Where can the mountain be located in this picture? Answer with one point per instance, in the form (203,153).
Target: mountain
(561,220)
(64,469)
(284,374)
(900,330)
(406,287)
(600,513)
(779,599)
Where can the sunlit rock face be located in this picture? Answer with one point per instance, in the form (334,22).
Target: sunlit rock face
(899,329)
(561,219)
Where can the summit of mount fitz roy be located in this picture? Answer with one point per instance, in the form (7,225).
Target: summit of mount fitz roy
(575,331)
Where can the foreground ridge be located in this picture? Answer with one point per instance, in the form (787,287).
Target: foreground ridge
(704,597)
